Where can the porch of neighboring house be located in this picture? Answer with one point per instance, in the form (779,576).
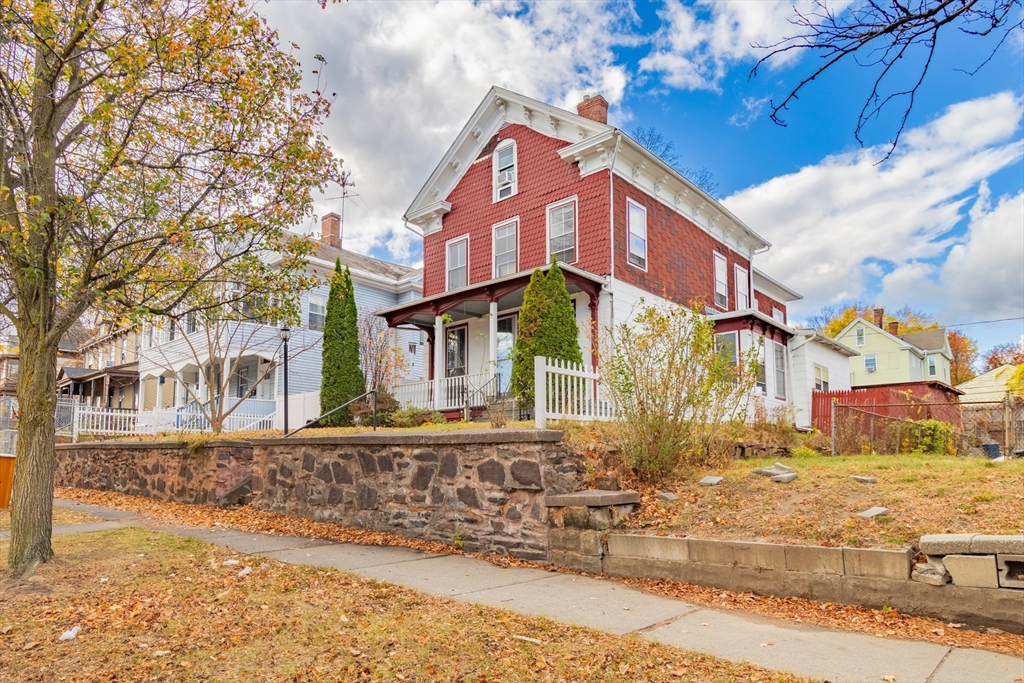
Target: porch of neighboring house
(471,332)
(114,386)
(178,397)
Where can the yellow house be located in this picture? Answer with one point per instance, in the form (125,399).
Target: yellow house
(888,357)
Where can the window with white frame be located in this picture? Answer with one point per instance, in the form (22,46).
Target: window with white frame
(760,382)
(637,223)
(727,345)
(932,370)
(124,349)
(457,263)
(742,288)
(779,314)
(562,231)
(317,311)
(721,282)
(780,371)
(860,336)
(505,239)
(870,363)
(820,378)
(503,165)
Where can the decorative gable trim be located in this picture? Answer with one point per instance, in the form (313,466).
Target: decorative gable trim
(500,107)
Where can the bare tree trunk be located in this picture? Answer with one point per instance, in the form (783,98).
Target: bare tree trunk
(32,499)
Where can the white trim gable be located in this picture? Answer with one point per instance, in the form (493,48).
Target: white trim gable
(499,106)
(918,352)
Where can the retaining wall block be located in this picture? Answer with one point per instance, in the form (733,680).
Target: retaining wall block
(883,564)
(651,547)
(581,563)
(1011,570)
(972,571)
(814,559)
(711,552)
(759,555)
(946,544)
(995,545)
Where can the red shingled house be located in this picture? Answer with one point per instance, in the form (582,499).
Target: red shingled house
(525,181)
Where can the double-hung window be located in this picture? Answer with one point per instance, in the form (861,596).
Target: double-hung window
(504,169)
(457,265)
(931,366)
(317,311)
(505,238)
(637,219)
(820,378)
(860,336)
(780,371)
(760,381)
(562,231)
(721,282)
(779,314)
(742,289)
(870,363)
(727,346)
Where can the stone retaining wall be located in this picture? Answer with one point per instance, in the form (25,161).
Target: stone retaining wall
(485,488)
(214,474)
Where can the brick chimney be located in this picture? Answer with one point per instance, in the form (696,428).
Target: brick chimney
(879,314)
(594,108)
(894,328)
(330,230)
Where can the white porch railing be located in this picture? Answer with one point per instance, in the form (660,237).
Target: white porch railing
(252,415)
(106,421)
(449,393)
(566,391)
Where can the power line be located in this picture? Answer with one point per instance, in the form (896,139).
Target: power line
(986,322)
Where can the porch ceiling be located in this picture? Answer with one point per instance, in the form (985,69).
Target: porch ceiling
(474,301)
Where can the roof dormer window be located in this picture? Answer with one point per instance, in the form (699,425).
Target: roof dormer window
(506,182)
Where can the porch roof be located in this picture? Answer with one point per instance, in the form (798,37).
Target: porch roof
(473,300)
(125,373)
(754,320)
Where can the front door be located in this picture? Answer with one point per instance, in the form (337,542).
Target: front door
(455,352)
(506,341)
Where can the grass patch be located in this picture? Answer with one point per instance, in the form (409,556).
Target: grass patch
(60,516)
(170,610)
(924,494)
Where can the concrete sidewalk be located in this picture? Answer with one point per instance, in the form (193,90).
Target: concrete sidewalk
(802,649)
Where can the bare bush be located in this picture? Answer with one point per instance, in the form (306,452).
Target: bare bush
(677,391)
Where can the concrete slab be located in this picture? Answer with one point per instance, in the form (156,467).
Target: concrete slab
(252,544)
(885,564)
(803,650)
(95,510)
(978,666)
(583,601)
(997,545)
(946,544)
(88,527)
(592,498)
(975,571)
(452,575)
(347,557)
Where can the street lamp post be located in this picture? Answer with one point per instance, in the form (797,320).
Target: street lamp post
(286,334)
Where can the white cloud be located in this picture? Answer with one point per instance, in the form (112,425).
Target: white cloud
(699,43)
(408,76)
(831,224)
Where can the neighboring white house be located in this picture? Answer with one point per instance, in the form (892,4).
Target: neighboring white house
(171,355)
(991,386)
(819,364)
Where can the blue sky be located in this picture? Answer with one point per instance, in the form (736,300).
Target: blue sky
(940,226)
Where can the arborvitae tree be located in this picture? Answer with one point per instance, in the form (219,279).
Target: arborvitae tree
(559,334)
(534,308)
(342,377)
(547,327)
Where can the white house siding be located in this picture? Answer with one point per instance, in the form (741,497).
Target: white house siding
(804,357)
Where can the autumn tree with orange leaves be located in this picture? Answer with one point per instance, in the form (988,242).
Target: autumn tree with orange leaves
(148,150)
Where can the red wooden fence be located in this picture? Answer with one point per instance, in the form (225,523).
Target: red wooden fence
(910,401)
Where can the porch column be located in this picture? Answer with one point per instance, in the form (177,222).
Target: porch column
(140,396)
(200,394)
(595,301)
(105,403)
(492,337)
(438,361)
(159,393)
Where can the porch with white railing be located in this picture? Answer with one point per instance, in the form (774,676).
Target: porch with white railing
(448,393)
(250,415)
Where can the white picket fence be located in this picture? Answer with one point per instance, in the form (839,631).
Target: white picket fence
(107,421)
(566,391)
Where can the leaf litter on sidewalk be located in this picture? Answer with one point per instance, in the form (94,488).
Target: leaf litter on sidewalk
(179,614)
(885,622)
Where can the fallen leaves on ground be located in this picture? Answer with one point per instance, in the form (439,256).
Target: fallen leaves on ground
(846,617)
(162,617)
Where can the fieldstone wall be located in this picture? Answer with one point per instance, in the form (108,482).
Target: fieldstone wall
(484,488)
(217,473)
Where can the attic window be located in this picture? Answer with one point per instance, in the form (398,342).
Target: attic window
(504,168)
(860,336)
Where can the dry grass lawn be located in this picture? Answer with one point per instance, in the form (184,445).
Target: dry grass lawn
(923,494)
(60,516)
(157,607)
